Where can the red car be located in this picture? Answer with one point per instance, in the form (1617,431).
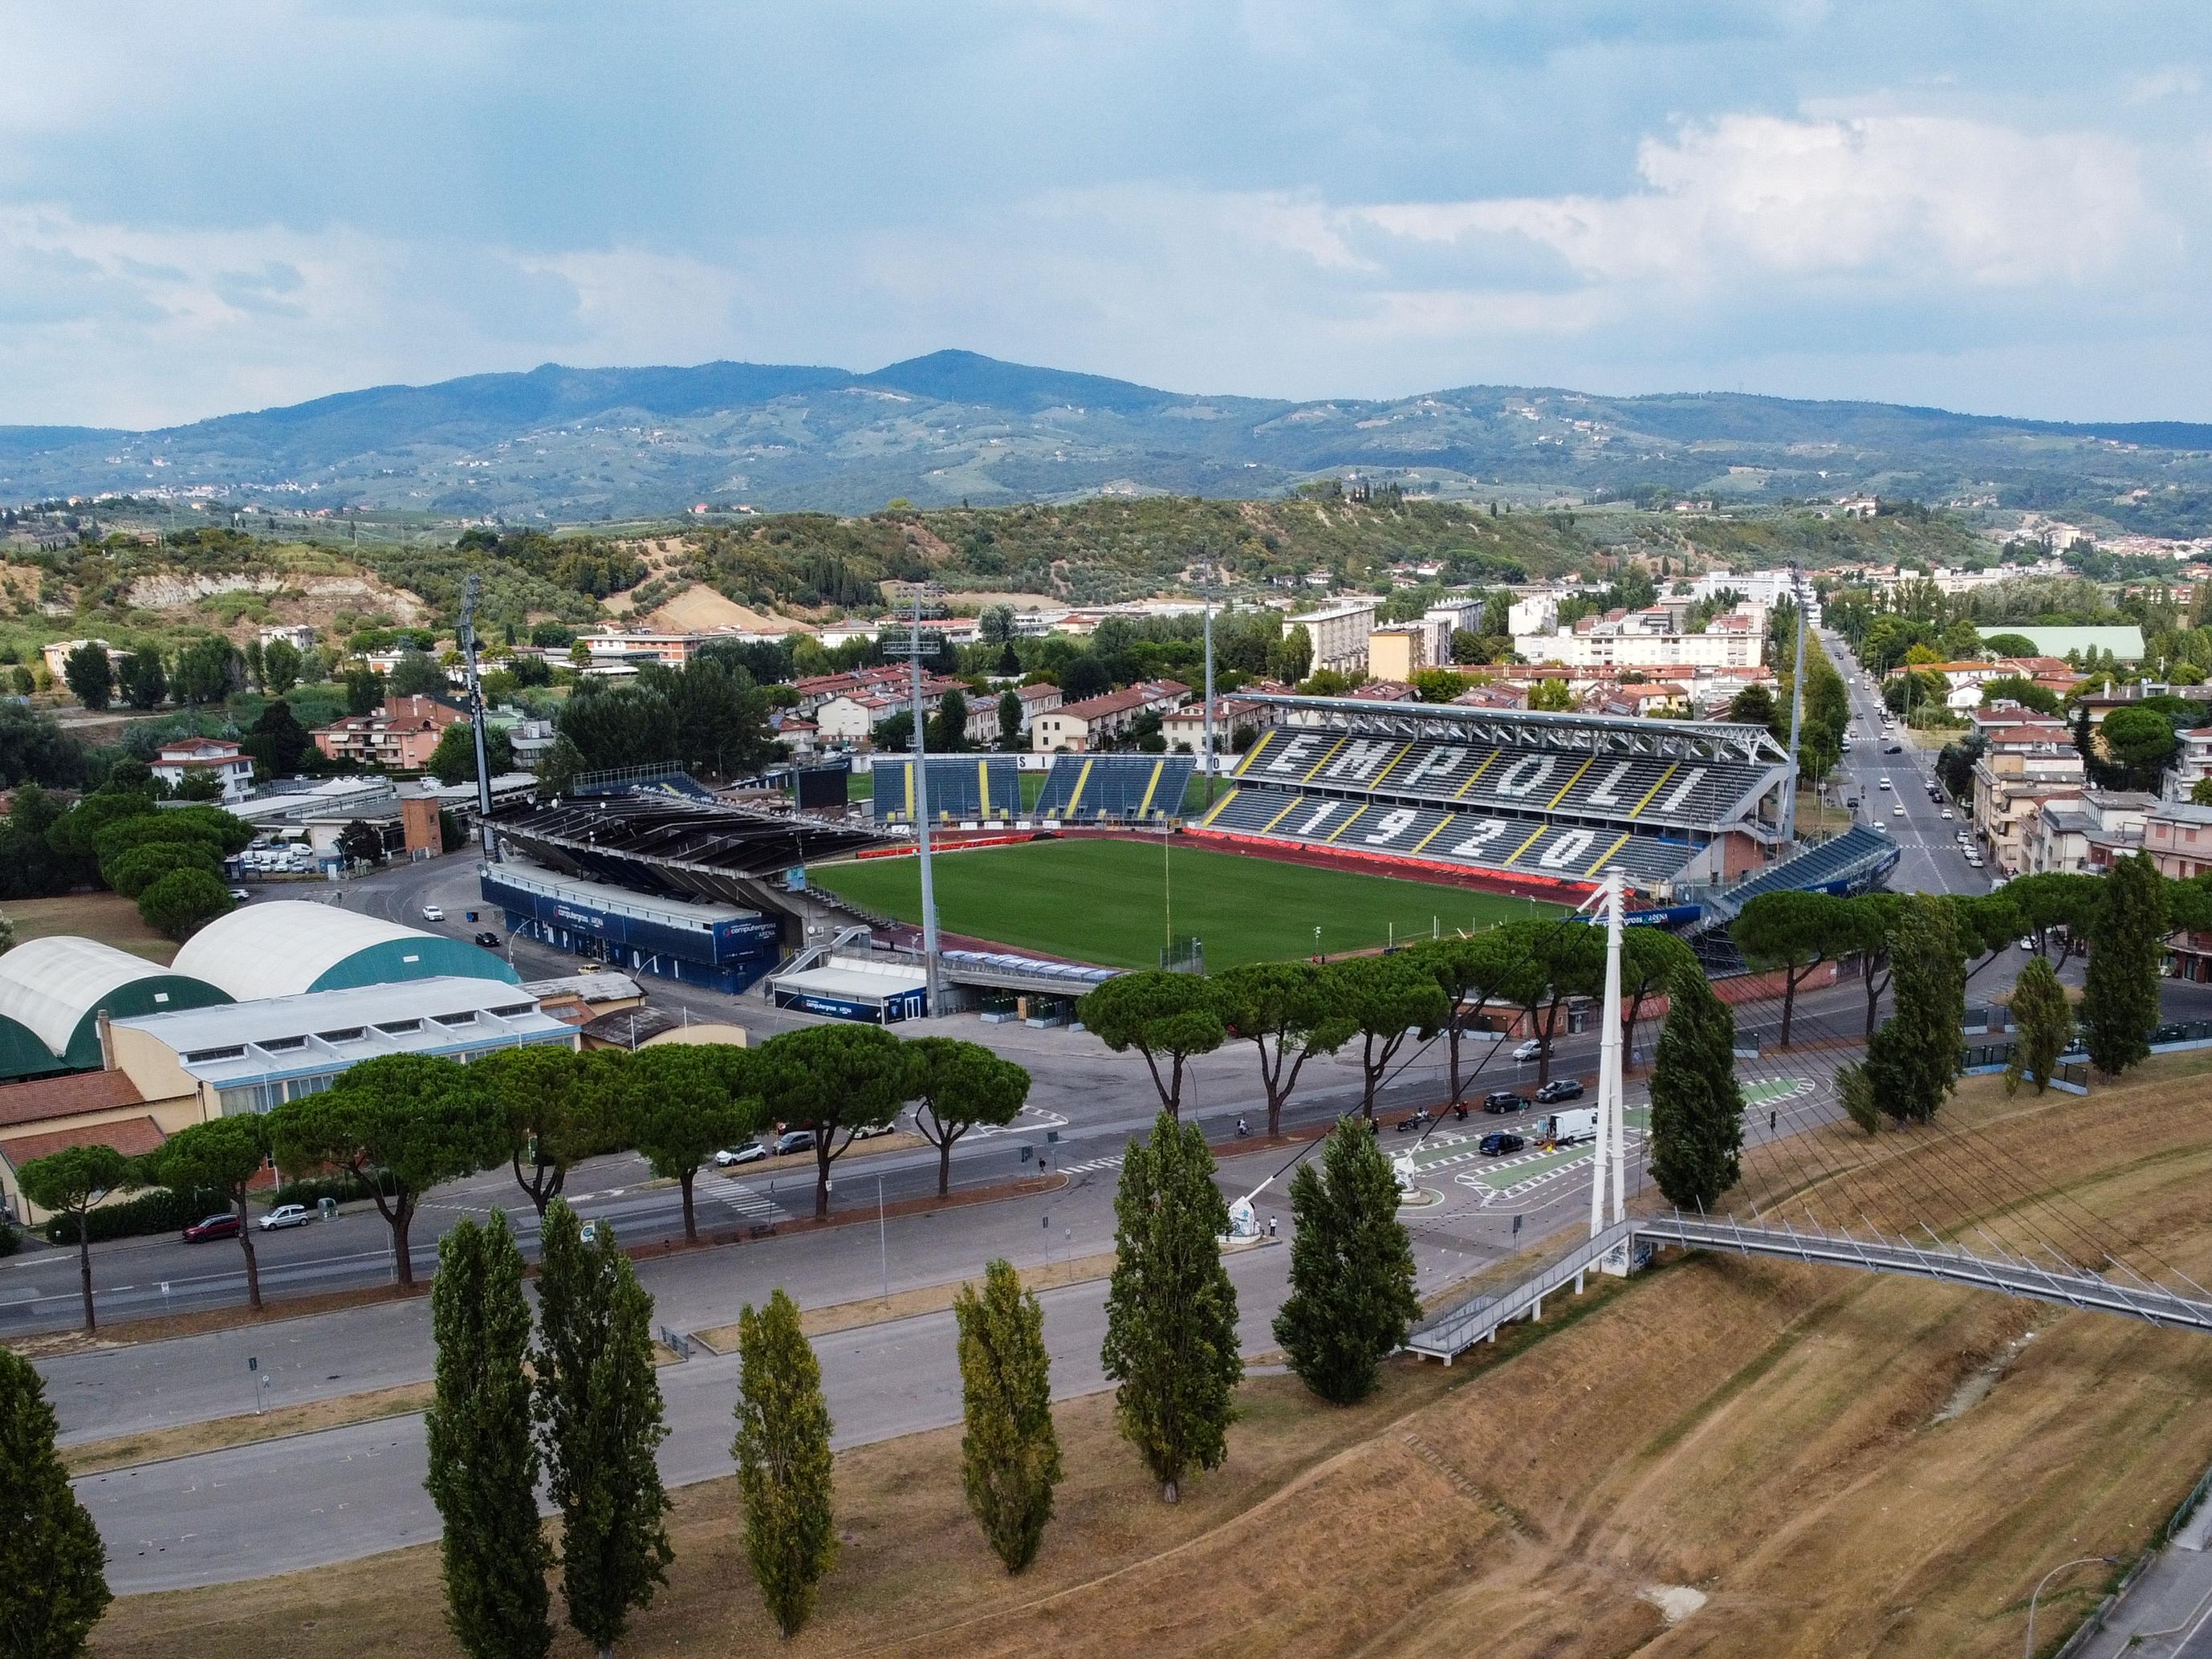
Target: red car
(215,1226)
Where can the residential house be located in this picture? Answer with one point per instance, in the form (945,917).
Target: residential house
(852,717)
(300,636)
(1186,727)
(230,764)
(2192,765)
(56,654)
(1095,723)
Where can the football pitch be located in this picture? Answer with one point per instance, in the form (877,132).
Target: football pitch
(1111,901)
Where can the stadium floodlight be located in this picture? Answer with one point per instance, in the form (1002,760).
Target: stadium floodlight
(911,648)
(468,632)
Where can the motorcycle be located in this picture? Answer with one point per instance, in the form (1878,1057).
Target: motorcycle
(1420,1120)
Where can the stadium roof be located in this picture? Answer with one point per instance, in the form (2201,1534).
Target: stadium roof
(288,947)
(1509,728)
(663,844)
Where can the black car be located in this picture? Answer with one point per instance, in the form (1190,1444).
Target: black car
(1496,1145)
(489,939)
(1892,749)
(1504,1100)
(1559,1088)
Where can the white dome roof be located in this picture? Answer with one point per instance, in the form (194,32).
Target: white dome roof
(49,985)
(280,948)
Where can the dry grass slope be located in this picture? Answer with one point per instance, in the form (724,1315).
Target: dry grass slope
(1845,1466)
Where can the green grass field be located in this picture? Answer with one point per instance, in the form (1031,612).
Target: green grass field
(1105,900)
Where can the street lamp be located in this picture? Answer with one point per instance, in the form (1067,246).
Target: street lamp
(2028,1647)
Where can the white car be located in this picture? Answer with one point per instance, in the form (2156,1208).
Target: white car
(1881,783)
(751,1152)
(1897,812)
(1948,813)
(1974,860)
(286,1215)
(434,913)
(1532,1049)
(870,1131)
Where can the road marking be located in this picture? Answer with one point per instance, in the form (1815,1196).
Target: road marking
(1093,1165)
(752,1202)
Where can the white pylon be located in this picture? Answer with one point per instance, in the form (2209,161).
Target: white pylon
(1609,1164)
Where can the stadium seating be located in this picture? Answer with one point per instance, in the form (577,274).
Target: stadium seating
(1116,788)
(1632,788)
(962,789)
(1519,845)
(1850,861)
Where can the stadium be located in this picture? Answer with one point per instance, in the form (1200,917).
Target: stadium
(1349,823)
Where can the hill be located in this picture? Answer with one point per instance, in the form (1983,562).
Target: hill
(572,444)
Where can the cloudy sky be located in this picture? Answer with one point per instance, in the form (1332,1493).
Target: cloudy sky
(1997,206)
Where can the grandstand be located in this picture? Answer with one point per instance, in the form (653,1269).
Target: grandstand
(962,789)
(1114,788)
(1538,802)
(651,842)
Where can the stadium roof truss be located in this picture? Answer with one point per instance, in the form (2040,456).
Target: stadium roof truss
(1595,736)
(662,843)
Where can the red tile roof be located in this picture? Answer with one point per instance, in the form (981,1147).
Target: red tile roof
(50,1097)
(132,1136)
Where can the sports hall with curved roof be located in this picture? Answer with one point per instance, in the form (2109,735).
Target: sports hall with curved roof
(53,991)
(286,947)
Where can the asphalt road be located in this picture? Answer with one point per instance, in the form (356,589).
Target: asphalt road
(1932,860)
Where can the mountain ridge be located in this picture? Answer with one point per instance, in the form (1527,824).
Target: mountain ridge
(561,442)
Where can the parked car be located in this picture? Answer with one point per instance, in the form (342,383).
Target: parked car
(1505,1100)
(434,913)
(215,1226)
(751,1152)
(794,1140)
(1496,1145)
(1559,1088)
(239,896)
(870,1131)
(489,939)
(1532,1049)
(1948,814)
(286,1215)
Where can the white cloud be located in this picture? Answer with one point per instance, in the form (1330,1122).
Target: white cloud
(1915,197)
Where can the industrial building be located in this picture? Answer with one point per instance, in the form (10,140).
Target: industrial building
(877,993)
(53,992)
(287,947)
(692,940)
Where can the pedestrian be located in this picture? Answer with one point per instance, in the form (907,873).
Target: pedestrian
(1271,1226)
(1772,1119)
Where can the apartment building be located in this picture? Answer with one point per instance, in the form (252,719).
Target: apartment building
(232,767)
(2081,835)
(1339,633)
(400,736)
(2178,836)
(2029,759)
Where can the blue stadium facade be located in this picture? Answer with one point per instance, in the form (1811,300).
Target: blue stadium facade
(699,943)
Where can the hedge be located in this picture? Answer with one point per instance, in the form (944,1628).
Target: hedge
(160,1211)
(313,1189)
(11,1238)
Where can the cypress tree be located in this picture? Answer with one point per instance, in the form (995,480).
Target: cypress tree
(784,1462)
(1915,1057)
(1171,1311)
(1352,1296)
(483,1464)
(1009,1455)
(53,1568)
(2119,998)
(2045,1020)
(598,1414)
(1697,1109)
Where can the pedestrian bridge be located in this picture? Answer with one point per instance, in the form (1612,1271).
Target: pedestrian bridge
(2063,1284)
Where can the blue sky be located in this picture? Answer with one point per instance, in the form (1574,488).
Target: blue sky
(1997,206)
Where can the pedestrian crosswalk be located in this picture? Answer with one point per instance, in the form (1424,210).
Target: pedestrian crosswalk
(1093,1165)
(753,1204)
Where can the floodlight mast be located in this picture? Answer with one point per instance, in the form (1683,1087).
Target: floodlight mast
(468,632)
(921,811)
(1608,1162)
